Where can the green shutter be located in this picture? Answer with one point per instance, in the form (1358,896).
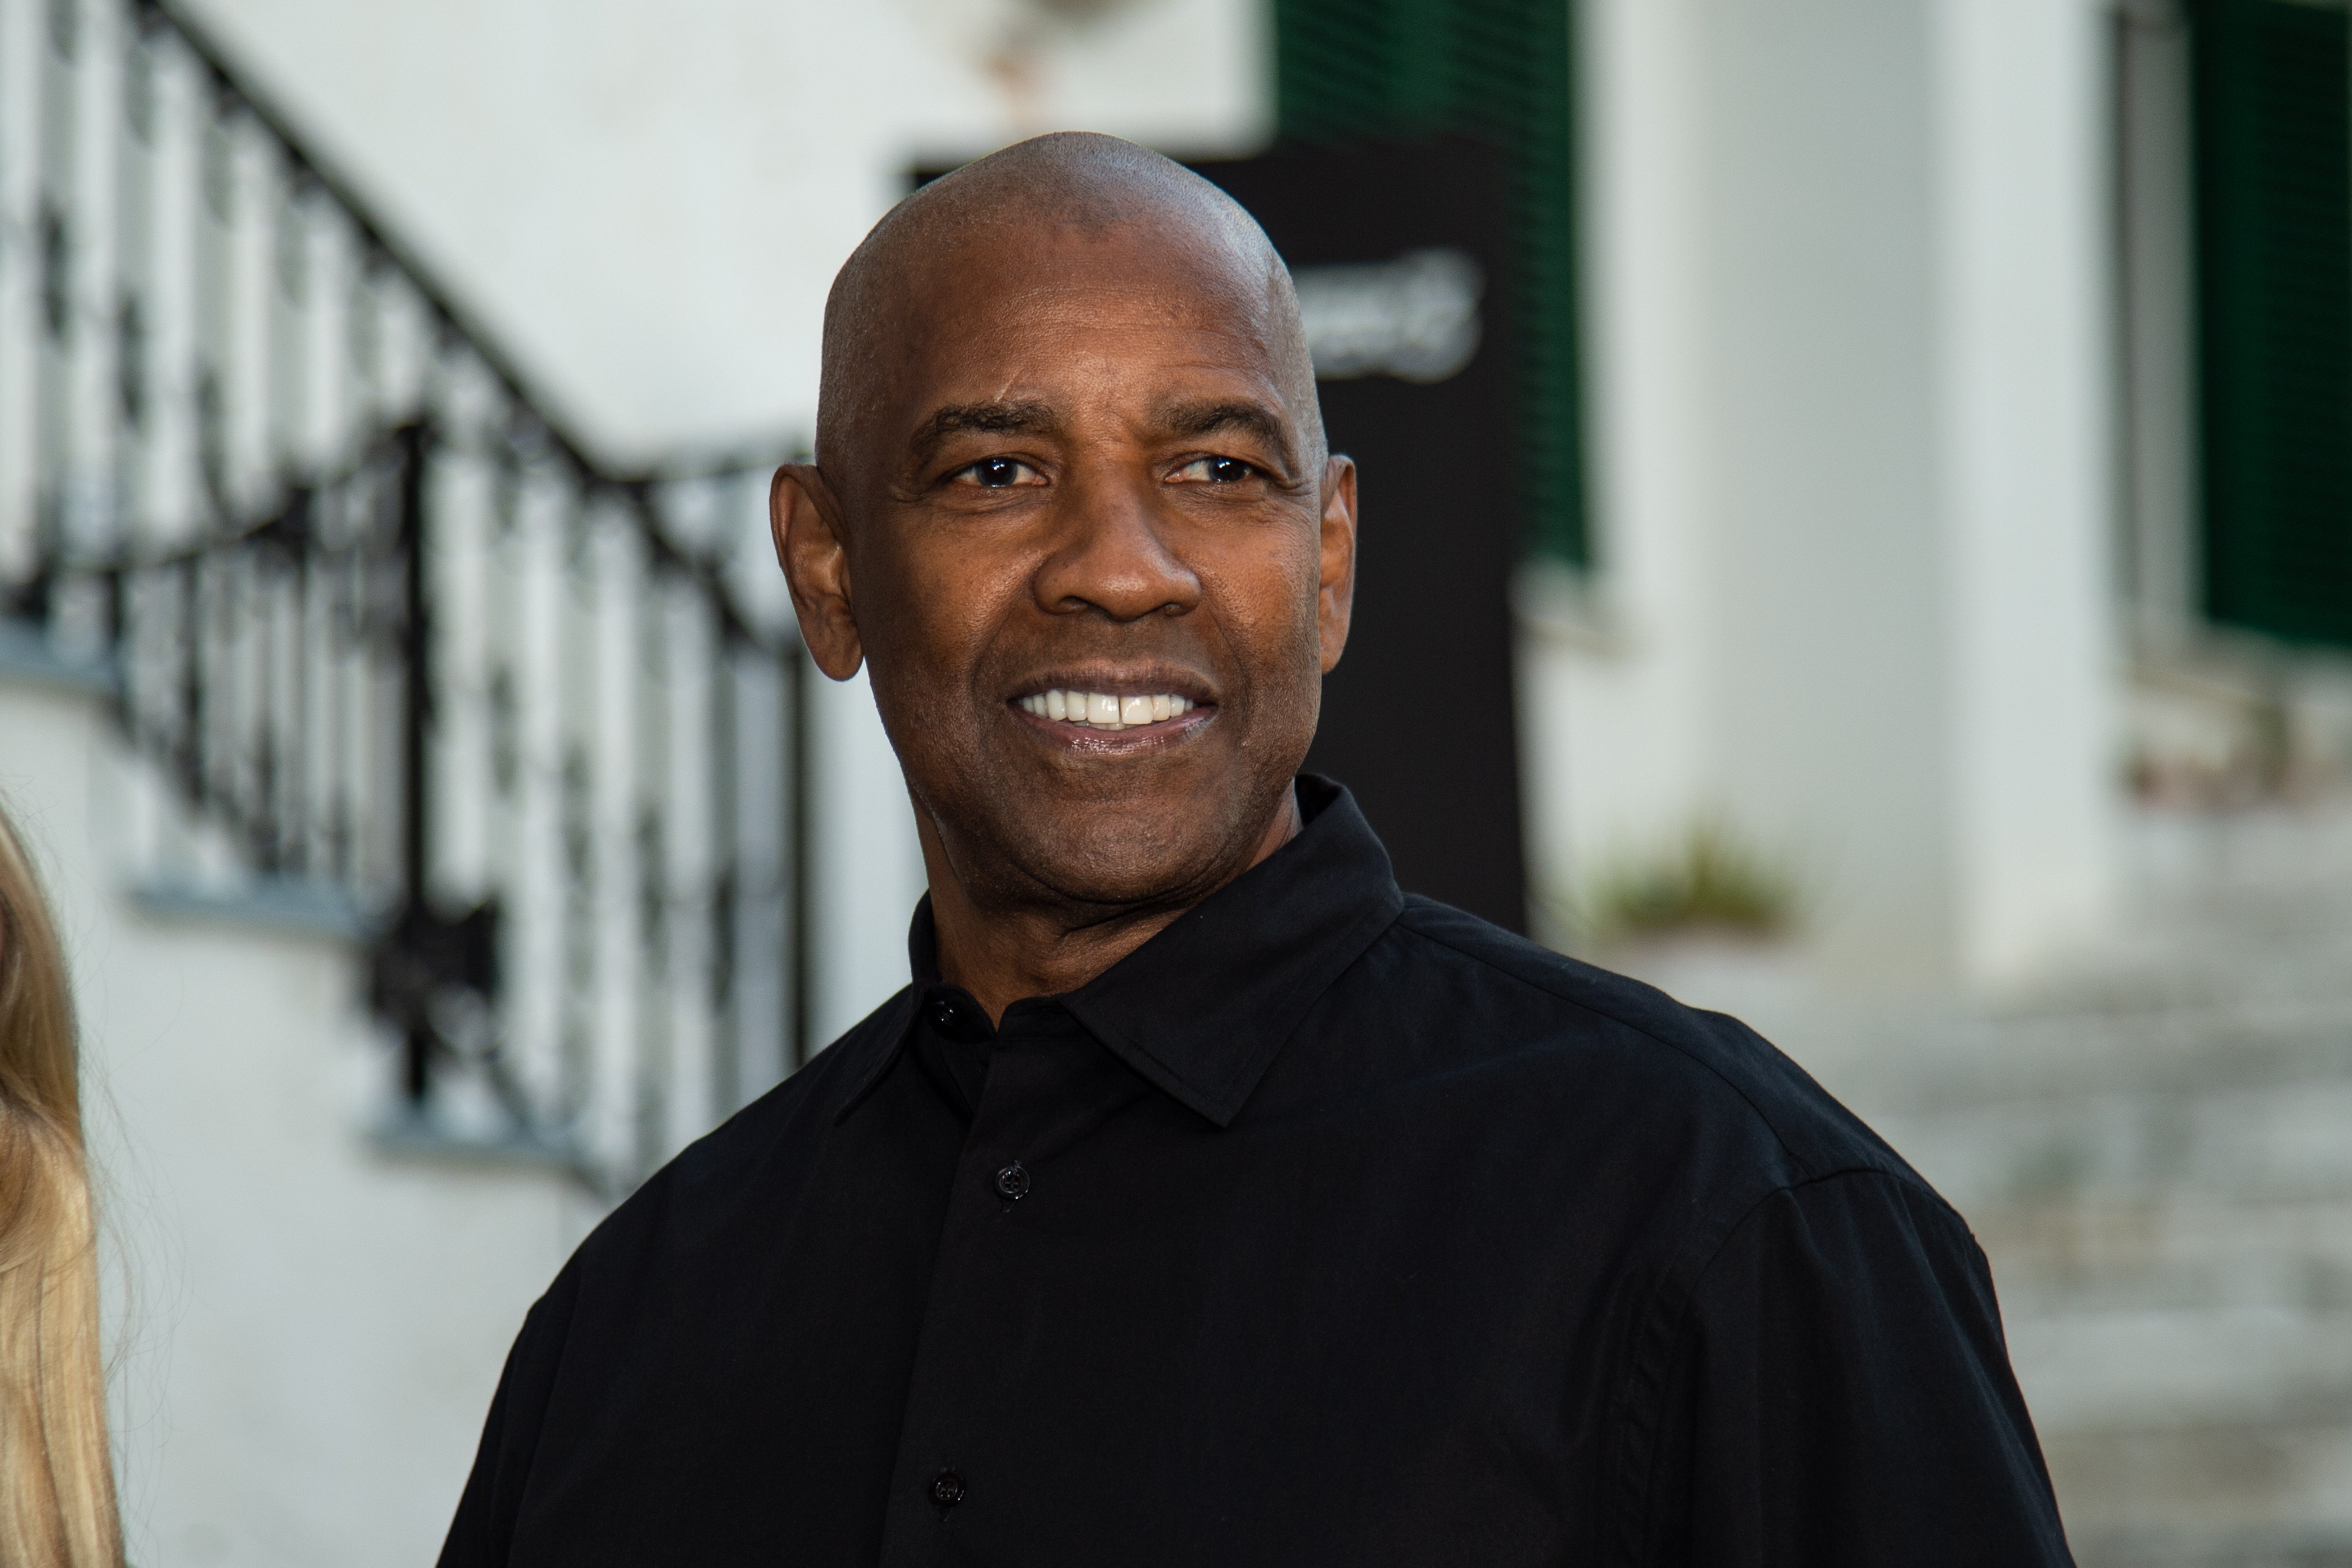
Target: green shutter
(1492,68)
(2274,286)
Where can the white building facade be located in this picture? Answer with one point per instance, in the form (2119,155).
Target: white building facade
(1848,378)
(1849,297)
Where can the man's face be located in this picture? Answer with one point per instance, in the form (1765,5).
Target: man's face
(1095,573)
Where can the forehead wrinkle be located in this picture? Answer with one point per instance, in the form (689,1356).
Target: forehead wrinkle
(1135,288)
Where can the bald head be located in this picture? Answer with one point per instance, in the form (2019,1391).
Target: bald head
(1073,513)
(1076,186)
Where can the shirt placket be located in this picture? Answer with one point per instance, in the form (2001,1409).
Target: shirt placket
(1048,1085)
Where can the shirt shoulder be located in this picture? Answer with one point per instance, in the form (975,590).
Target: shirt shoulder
(700,1201)
(650,1317)
(1534,1011)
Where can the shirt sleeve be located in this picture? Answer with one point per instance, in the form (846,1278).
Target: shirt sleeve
(1839,1395)
(482,1534)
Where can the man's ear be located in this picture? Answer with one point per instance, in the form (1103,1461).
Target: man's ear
(810,547)
(1336,602)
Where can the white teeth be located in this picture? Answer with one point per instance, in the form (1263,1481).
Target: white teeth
(1104,711)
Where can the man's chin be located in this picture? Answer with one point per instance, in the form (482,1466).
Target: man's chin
(1142,833)
(1138,882)
(1111,865)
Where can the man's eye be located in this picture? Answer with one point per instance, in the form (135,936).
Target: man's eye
(999,473)
(1216,471)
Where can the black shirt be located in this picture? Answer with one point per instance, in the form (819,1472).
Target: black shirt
(1330,1226)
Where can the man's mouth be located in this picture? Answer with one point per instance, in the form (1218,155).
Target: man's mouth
(1105,710)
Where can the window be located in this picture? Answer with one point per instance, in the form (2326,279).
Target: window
(2273,178)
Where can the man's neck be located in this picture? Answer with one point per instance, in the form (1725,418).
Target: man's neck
(1002,952)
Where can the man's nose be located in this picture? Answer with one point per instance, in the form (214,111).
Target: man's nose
(1113,554)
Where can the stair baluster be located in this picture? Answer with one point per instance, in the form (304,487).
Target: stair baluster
(394,649)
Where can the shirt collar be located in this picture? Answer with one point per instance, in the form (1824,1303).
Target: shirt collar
(1202,1009)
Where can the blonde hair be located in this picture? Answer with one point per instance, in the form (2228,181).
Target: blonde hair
(56,1482)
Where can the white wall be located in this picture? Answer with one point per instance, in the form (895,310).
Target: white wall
(866,864)
(2028,451)
(304,1334)
(648,201)
(1849,441)
(1613,685)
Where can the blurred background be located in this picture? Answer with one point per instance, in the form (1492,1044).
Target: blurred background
(1857,525)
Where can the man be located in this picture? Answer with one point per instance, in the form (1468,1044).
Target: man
(1206,1199)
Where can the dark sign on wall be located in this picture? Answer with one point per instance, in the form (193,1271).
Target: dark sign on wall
(1401,260)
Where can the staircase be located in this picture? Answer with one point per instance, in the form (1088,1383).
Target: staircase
(389,643)
(431,808)
(2156,1152)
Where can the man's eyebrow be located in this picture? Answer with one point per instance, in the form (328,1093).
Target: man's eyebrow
(1207,418)
(1017,418)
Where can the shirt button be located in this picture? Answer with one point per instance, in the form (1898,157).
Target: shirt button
(943,1016)
(1012,1182)
(947,1489)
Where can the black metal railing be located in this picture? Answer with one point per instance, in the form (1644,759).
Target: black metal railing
(380,629)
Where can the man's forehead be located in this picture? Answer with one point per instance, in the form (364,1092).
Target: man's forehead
(1044,336)
(1000,332)
(1034,281)
(1131,275)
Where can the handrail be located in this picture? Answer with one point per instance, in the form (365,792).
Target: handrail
(433,654)
(240,86)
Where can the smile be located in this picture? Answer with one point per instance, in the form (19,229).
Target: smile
(1105,711)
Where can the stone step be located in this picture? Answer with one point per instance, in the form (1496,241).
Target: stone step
(2284,1141)
(2192,1253)
(2154,1148)
(2258,1494)
(2189,1370)
(2147,1367)
(1917,1064)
